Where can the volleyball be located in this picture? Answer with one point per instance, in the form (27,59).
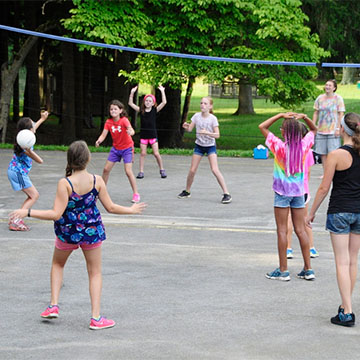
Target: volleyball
(26,139)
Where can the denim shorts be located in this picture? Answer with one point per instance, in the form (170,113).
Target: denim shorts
(295,202)
(19,181)
(126,154)
(343,223)
(202,150)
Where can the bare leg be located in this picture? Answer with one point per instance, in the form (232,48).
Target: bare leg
(57,272)
(281,218)
(215,170)
(155,149)
(129,173)
(309,229)
(93,264)
(143,149)
(32,197)
(106,172)
(289,231)
(354,251)
(195,161)
(298,219)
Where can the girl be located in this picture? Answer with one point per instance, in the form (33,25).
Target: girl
(288,186)
(77,222)
(123,145)
(342,168)
(309,161)
(329,109)
(148,134)
(19,168)
(207,130)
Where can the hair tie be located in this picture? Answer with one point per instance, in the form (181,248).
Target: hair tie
(152,96)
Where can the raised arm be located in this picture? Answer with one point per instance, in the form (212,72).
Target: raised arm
(44,115)
(264,126)
(131,99)
(310,123)
(163,98)
(33,155)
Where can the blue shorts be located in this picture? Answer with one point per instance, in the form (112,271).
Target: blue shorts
(19,181)
(295,202)
(343,223)
(126,154)
(202,150)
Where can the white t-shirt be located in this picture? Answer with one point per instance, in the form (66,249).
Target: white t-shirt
(208,123)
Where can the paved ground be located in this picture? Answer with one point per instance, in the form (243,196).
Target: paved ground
(183,281)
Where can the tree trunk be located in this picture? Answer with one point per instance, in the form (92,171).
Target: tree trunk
(169,119)
(79,93)
(348,76)
(68,91)
(186,107)
(245,102)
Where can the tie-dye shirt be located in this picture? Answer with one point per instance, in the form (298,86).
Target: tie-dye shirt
(329,109)
(292,185)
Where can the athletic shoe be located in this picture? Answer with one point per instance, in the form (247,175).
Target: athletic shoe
(306,274)
(226,199)
(18,225)
(163,174)
(136,198)
(278,275)
(313,253)
(340,309)
(343,319)
(102,323)
(184,194)
(51,312)
(140,175)
(289,253)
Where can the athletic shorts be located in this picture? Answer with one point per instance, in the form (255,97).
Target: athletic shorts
(126,154)
(294,202)
(326,143)
(60,245)
(343,223)
(19,181)
(202,150)
(148,141)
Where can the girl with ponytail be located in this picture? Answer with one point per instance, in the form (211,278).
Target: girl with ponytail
(288,186)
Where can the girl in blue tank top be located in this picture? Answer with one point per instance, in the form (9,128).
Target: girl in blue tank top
(77,223)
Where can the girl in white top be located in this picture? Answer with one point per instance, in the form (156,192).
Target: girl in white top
(207,130)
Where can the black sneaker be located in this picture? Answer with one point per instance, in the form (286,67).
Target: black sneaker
(343,319)
(184,194)
(140,175)
(226,199)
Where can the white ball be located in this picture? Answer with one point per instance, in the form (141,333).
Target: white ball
(26,139)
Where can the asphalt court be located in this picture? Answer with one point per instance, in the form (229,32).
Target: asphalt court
(185,280)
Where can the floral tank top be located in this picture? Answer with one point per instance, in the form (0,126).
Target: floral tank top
(81,221)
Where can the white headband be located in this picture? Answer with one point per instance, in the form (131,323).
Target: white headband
(346,128)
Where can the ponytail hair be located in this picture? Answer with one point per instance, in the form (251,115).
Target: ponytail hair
(78,156)
(352,120)
(294,154)
(22,124)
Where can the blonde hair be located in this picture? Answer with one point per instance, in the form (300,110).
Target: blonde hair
(211,101)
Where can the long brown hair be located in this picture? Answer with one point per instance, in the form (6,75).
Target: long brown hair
(120,105)
(352,120)
(78,156)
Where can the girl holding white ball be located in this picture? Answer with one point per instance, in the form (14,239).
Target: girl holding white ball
(21,163)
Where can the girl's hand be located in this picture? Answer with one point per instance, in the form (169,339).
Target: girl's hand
(203,132)
(18,214)
(97,143)
(289,115)
(130,131)
(133,90)
(309,219)
(138,208)
(185,125)
(44,115)
(161,88)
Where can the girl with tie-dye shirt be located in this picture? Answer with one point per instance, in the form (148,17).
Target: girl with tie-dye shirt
(288,185)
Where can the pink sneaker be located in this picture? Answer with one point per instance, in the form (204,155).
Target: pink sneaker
(136,198)
(51,312)
(102,323)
